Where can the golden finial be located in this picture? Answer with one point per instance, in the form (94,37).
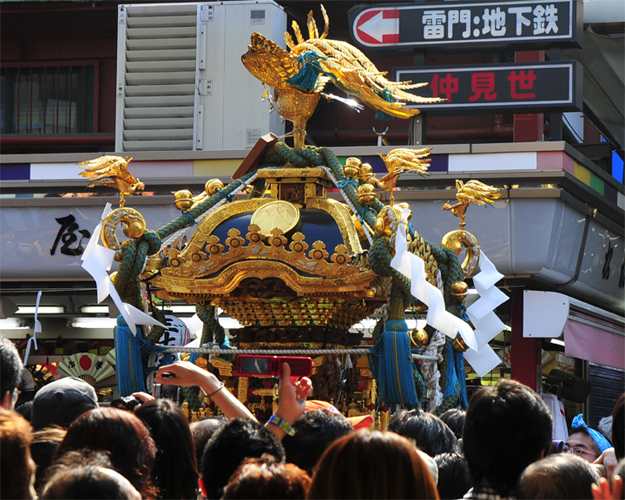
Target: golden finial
(112,171)
(472,192)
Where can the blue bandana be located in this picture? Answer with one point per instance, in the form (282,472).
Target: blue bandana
(597,437)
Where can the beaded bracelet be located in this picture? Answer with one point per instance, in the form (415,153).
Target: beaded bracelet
(282,424)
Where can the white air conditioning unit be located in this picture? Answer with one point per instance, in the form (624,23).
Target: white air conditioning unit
(181,85)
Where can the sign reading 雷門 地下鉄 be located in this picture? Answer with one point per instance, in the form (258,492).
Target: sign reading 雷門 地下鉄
(472,24)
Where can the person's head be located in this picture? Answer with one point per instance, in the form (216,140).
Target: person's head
(314,432)
(123,436)
(61,402)
(585,442)
(453,475)
(228,447)
(25,409)
(618,427)
(507,427)
(202,430)
(93,479)
(17,469)
(454,418)
(430,433)
(10,373)
(175,470)
(357,422)
(42,449)
(559,476)
(267,478)
(372,464)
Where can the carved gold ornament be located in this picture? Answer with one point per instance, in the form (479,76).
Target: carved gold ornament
(133,227)
(459,239)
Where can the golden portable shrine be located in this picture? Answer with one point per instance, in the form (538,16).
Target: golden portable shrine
(297,268)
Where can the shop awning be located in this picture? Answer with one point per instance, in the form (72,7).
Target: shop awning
(587,337)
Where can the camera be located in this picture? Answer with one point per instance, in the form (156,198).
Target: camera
(128,403)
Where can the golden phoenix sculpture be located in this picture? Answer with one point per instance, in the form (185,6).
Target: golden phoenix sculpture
(299,76)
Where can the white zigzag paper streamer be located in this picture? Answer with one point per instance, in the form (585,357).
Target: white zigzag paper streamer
(36,329)
(413,267)
(97,261)
(481,313)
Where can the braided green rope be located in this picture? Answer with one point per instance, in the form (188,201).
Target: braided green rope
(451,272)
(421,386)
(315,156)
(258,188)
(211,328)
(378,330)
(183,220)
(211,325)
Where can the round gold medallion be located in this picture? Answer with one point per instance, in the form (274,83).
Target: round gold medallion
(277,214)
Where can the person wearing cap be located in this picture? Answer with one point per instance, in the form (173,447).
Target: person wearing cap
(61,402)
(585,442)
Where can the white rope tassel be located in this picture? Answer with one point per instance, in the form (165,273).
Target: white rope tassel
(429,368)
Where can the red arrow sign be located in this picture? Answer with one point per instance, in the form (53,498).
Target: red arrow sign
(378,27)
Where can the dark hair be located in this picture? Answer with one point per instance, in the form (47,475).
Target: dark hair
(618,427)
(175,469)
(10,367)
(15,465)
(72,460)
(453,475)
(94,479)
(25,409)
(314,432)
(431,434)
(42,449)
(202,430)
(124,436)
(593,444)
(239,439)
(559,476)
(267,478)
(507,427)
(372,464)
(454,418)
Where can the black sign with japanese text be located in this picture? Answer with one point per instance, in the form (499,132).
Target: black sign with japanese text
(486,88)
(480,23)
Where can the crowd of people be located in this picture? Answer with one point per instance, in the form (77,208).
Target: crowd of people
(67,446)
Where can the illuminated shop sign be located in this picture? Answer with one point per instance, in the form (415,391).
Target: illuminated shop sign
(452,24)
(498,86)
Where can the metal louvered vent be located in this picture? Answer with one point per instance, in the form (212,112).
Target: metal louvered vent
(156,77)
(180,82)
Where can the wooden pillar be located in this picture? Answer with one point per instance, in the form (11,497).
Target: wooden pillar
(525,352)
